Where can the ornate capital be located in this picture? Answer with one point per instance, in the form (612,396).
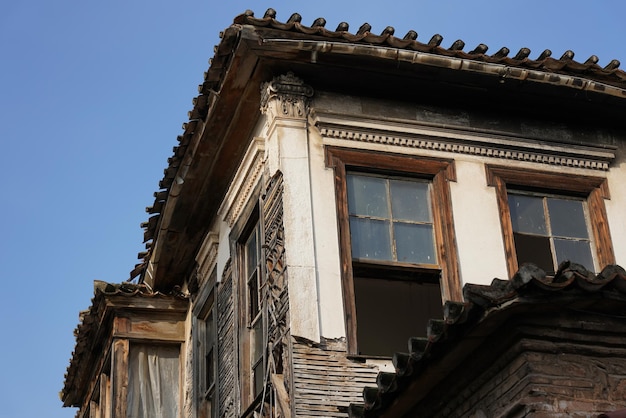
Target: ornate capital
(286,96)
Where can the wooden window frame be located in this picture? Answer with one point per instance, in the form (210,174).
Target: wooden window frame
(204,312)
(250,220)
(592,189)
(439,172)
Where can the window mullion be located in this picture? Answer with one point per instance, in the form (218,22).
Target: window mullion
(394,252)
(544,201)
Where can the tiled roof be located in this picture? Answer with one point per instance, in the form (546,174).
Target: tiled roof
(529,286)
(89,322)
(544,61)
(607,79)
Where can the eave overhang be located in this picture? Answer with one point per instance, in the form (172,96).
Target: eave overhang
(96,331)
(253,51)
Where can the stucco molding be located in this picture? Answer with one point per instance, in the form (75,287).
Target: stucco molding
(247,177)
(207,256)
(457,140)
(286,96)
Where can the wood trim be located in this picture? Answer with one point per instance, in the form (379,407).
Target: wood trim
(507,226)
(600,228)
(390,163)
(119,369)
(347,280)
(281,394)
(543,180)
(440,171)
(594,189)
(446,240)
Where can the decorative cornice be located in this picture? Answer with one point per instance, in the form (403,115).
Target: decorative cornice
(456,140)
(207,256)
(246,178)
(286,96)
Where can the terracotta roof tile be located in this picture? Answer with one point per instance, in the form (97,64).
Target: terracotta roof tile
(90,319)
(293,27)
(409,41)
(530,285)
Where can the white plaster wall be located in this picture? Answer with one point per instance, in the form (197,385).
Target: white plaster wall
(310,218)
(477,225)
(332,318)
(287,151)
(223,249)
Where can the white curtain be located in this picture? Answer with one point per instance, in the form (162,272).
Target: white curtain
(153,381)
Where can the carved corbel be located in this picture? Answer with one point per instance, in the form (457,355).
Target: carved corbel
(286,96)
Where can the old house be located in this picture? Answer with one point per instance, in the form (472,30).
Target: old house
(339,196)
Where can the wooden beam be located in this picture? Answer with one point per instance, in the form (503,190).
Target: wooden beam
(281,394)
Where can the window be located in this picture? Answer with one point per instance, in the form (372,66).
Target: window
(548,230)
(205,349)
(397,246)
(151,369)
(548,218)
(252,319)
(390,219)
(252,255)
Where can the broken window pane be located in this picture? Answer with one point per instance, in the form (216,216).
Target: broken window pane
(391,311)
(549,230)
(534,249)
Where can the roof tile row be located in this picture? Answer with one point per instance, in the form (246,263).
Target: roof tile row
(529,285)
(609,74)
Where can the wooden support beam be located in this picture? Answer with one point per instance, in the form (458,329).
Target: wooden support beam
(281,394)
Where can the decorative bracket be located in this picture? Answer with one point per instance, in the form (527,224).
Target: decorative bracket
(286,96)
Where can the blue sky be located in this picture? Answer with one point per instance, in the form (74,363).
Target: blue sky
(92,97)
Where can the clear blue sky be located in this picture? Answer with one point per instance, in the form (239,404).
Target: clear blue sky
(92,97)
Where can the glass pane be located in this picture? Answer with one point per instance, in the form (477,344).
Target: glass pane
(410,200)
(567,218)
(574,251)
(257,336)
(414,243)
(389,312)
(251,253)
(367,196)
(527,214)
(257,371)
(253,295)
(534,249)
(370,239)
(210,369)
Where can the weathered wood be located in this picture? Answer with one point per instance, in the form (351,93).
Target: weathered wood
(594,189)
(120,370)
(440,172)
(281,394)
(326,381)
(600,228)
(164,331)
(445,238)
(227,352)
